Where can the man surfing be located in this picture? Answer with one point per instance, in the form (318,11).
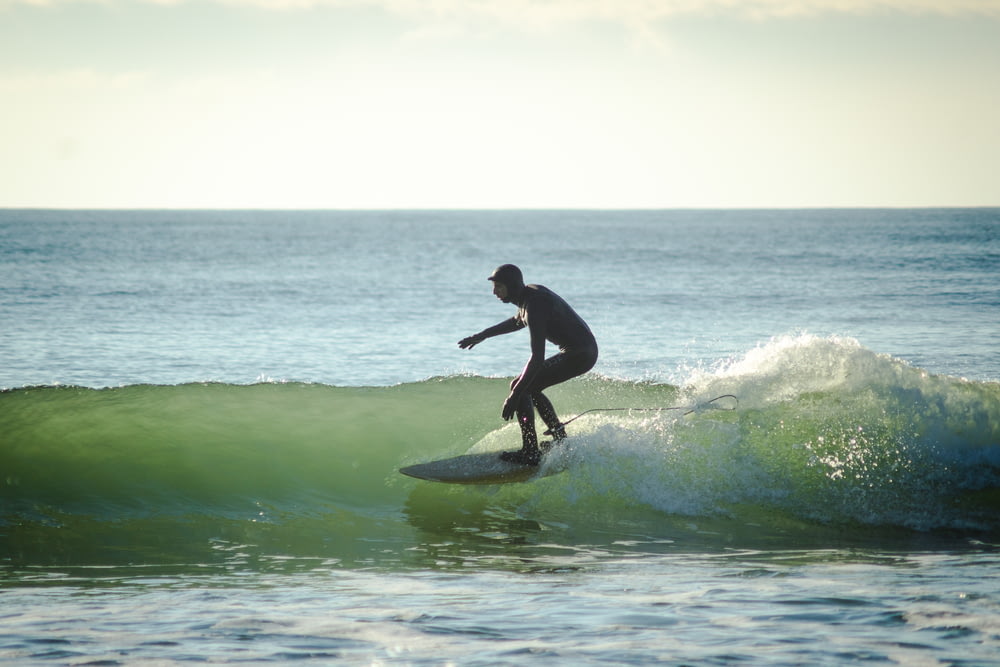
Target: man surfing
(548,317)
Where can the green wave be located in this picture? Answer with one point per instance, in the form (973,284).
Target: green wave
(827,434)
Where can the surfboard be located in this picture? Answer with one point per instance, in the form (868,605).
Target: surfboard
(486,468)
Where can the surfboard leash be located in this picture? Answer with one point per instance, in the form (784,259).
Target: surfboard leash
(688,409)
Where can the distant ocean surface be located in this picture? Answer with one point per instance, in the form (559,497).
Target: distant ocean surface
(202,415)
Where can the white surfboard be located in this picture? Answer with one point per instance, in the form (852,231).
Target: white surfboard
(486,468)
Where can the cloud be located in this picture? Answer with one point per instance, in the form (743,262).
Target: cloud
(75,80)
(550,12)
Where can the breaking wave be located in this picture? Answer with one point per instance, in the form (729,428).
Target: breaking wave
(826,434)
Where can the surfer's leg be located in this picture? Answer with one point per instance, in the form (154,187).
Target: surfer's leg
(529,452)
(526,420)
(559,368)
(548,415)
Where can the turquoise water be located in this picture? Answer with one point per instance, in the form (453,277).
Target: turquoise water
(377,298)
(205,414)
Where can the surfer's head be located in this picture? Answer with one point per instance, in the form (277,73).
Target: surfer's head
(508,283)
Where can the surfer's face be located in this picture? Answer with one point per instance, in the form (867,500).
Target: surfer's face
(500,290)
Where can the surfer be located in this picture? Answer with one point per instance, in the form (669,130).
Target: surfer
(548,317)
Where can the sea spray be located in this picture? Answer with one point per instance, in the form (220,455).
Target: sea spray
(826,431)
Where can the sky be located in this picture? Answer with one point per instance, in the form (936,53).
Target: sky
(395,104)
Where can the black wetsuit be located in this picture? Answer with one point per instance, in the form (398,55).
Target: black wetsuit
(548,318)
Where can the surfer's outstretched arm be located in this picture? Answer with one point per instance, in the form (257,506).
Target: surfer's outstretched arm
(507,326)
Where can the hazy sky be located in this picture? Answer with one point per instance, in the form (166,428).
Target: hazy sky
(499,103)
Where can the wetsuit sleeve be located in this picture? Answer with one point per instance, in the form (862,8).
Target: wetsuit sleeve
(505,327)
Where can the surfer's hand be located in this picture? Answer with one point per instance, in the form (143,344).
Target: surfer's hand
(470,342)
(509,406)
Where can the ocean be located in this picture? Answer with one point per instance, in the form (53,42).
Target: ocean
(203,414)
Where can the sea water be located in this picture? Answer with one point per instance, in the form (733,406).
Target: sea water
(203,414)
